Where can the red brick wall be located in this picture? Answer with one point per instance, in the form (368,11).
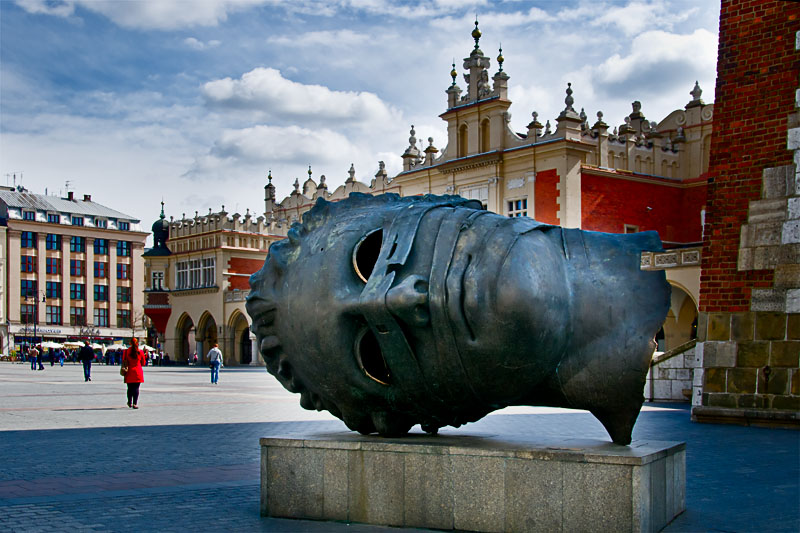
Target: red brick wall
(608,203)
(757,75)
(546,197)
(241,265)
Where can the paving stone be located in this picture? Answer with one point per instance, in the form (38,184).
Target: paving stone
(734,474)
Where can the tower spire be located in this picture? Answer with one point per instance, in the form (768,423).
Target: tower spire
(476,33)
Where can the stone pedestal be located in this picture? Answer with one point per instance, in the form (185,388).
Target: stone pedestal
(474,482)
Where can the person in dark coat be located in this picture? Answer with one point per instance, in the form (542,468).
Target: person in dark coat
(134,360)
(86,356)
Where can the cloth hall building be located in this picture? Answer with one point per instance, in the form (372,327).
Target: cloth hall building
(574,171)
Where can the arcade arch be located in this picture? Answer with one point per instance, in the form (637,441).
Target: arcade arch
(680,325)
(206,336)
(242,349)
(184,338)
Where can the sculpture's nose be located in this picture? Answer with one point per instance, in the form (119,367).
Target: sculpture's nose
(409,301)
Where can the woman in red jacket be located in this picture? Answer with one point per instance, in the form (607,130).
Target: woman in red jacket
(133,360)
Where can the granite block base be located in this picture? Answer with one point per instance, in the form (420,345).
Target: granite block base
(474,482)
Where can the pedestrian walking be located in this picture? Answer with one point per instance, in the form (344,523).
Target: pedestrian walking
(133,362)
(215,361)
(33,353)
(86,356)
(39,356)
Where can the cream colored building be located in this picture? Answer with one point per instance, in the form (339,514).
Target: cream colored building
(72,268)
(575,172)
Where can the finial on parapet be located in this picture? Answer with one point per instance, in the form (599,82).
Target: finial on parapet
(309,171)
(162,210)
(453,73)
(500,59)
(476,33)
(351,174)
(569,100)
(297,185)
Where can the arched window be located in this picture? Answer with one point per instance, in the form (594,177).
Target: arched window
(462,140)
(485,136)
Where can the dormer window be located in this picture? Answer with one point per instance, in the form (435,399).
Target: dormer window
(125,226)
(29,215)
(77,221)
(100,223)
(54,218)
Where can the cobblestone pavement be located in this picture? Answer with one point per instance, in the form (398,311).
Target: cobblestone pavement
(77,459)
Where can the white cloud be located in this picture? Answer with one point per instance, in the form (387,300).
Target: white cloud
(147,14)
(658,59)
(45,7)
(267,93)
(265,145)
(321,38)
(196,44)
(636,17)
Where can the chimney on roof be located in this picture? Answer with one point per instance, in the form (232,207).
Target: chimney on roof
(70,195)
(87,197)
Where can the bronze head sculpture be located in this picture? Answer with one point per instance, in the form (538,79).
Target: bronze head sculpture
(392,311)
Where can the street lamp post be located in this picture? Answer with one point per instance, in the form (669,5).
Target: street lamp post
(35,299)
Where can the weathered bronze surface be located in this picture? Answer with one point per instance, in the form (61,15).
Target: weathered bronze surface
(390,312)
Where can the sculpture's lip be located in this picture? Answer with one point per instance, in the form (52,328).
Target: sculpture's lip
(262,313)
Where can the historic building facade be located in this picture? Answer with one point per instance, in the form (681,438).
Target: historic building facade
(637,176)
(72,269)
(196,281)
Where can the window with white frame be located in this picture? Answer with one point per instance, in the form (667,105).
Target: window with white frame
(158,280)
(194,273)
(479,192)
(209,271)
(182,275)
(518,207)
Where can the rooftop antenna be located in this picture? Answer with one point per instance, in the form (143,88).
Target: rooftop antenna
(67,185)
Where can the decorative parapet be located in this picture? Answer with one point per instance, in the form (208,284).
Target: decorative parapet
(683,257)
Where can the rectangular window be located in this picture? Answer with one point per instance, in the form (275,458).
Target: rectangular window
(53,219)
(28,215)
(77,244)
(53,265)
(182,274)
(194,273)
(101,317)
(208,272)
(158,281)
(54,289)
(53,314)
(27,239)
(101,293)
(100,223)
(27,287)
(53,241)
(123,271)
(518,208)
(123,318)
(26,263)
(101,247)
(124,248)
(480,193)
(77,316)
(77,221)
(125,226)
(77,267)
(630,228)
(26,313)
(123,294)
(100,269)
(77,291)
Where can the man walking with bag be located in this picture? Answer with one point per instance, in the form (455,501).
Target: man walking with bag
(215,360)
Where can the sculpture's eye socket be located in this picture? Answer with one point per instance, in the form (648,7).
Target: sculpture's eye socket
(366,252)
(370,357)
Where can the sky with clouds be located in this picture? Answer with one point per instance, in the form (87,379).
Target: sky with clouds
(193,101)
